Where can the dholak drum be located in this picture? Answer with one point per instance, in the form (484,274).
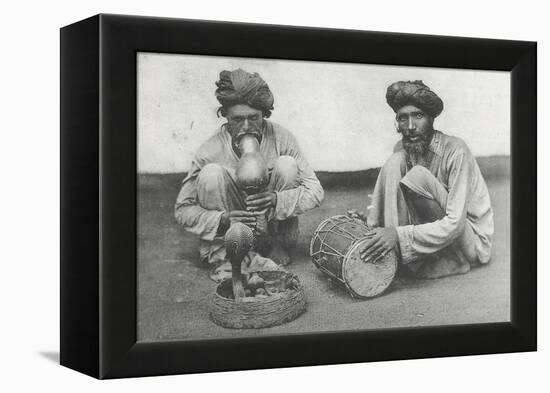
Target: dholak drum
(334,249)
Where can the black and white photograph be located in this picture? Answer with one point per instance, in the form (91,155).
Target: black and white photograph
(279,197)
(213,196)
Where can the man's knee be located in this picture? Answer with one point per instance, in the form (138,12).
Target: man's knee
(425,195)
(419,176)
(286,168)
(210,177)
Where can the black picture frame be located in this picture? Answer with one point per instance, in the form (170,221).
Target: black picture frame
(98,195)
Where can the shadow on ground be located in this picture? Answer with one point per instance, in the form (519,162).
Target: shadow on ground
(52,356)
(174,289)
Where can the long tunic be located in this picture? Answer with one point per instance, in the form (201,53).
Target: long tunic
(468,203)
(276,142)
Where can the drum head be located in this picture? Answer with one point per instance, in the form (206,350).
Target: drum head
(367,279)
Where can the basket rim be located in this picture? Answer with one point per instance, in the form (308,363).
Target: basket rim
(268,299)
(258,313)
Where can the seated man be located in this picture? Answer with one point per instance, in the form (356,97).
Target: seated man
(430,200)
(210,200)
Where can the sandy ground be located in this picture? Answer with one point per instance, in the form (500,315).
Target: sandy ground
(174,289)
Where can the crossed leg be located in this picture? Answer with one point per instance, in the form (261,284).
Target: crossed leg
(426,200)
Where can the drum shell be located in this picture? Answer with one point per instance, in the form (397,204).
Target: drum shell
(334,249)
(332,264)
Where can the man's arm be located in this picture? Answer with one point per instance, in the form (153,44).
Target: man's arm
(309,193)
(386,211)
(194,218)
(387,205)
(375,214)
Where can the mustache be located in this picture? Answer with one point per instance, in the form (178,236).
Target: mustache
(240,135)
(239,132)
(416,138)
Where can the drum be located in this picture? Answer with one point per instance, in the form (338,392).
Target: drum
(334,249)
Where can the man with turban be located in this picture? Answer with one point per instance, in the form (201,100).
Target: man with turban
(210,200)
(430,202)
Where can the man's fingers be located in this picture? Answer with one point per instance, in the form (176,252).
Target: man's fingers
(377,253)
(370,252)
(364,251)
(243,219)
(251,225)
(258,195)
(258,202)
(259,211)
(240,213)
(371,241)
(258,208)
(366,246)
(372,234)
(373,250)
(380,256)
(254,197)
(373,238)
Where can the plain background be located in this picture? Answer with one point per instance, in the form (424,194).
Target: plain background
(29,288)
(337,112)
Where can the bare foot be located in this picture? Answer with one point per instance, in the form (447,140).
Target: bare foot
(441,267)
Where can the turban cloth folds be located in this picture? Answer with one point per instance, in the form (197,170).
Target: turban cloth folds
(414,93)
(240,87)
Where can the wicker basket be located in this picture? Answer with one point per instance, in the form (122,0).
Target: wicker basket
(255,313)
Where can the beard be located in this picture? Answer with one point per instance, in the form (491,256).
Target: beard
(417,151)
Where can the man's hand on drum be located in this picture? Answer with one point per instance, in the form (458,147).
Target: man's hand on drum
(261,202)
(381,241)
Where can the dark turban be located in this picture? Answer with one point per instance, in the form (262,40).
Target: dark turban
(240,87)
(414,93)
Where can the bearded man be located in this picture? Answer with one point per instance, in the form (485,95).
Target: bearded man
(430,201)
(210,200)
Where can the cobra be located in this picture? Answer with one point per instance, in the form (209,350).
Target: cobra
(238,242)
